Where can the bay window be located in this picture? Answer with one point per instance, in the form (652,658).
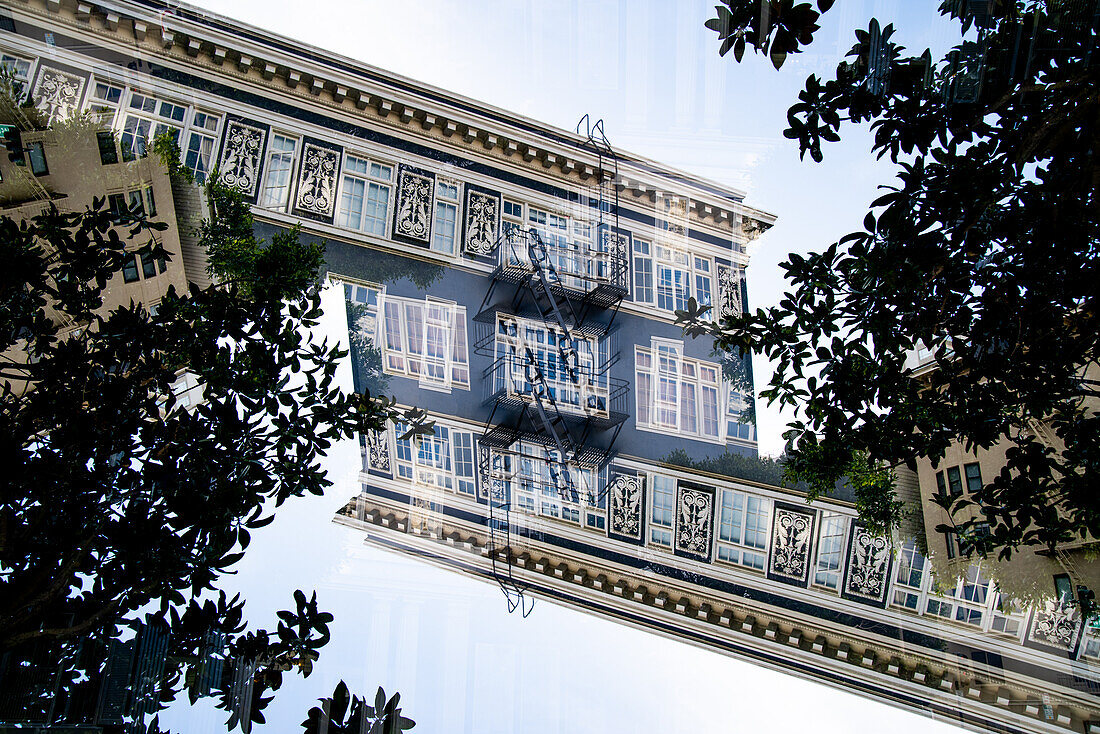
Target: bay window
(675,393)
(426,340)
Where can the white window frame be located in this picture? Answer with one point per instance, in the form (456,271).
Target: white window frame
(672,383)
(659,534)
(406,356)
(697,276)
(829,561)
(514,335)
(537,488)
(351,175)
(445,202)
(737,549)
(287,160)
(433,461)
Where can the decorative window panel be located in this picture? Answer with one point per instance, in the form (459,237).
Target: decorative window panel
(1055,625)
(730,298)
(412,214)
(315,194)
(626,507)
(481,224)
(58,93)
(241,160)
(867,574)
(791,546)
(694,521)
(376,458)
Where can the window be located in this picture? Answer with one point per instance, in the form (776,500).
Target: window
(941,487)
(973,477)
(19,68)
(643,272)
(118,207)
(547,486)
(675,393)
(275,193)
(446,217)
(662,498)
(364,198)
(464,462)
(148,266)
(966,601)
(104,101)
(200,144)
(444,460)
(951,540)
(830,549)
(569,375)
(108,151)
(513,210)
(107,93)
(146,119)
(426,340)
(150,202)
(954,481)
(37,155)
(135,204)
(909,578)
(678,275)
(743,528)
(129,270)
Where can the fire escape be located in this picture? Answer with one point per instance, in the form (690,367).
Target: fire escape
(547,323)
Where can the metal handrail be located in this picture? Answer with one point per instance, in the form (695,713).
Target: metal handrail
(602,393)
(515,245)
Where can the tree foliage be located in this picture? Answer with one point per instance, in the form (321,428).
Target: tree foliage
(984,252)
(120,498)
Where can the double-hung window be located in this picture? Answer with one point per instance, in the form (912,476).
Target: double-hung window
(104,100)
(19,68)
(830,549)
(909,577)
(743,528)
(200,144)
(675,393)
(277,174)
(445,225)
(662,500)
(673,278)
(426,340)
(364,195)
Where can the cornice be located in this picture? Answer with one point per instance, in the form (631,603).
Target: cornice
(254,56)
(964,685)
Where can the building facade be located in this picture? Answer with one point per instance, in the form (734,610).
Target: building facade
(519,283)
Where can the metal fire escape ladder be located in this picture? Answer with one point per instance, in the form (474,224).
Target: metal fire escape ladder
(553,426)
(499,548)
(548,304)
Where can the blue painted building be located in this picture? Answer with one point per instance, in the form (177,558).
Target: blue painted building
(519,283)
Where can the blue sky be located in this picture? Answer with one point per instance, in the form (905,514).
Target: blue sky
(651,70)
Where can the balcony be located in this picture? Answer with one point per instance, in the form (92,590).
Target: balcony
(592,274)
